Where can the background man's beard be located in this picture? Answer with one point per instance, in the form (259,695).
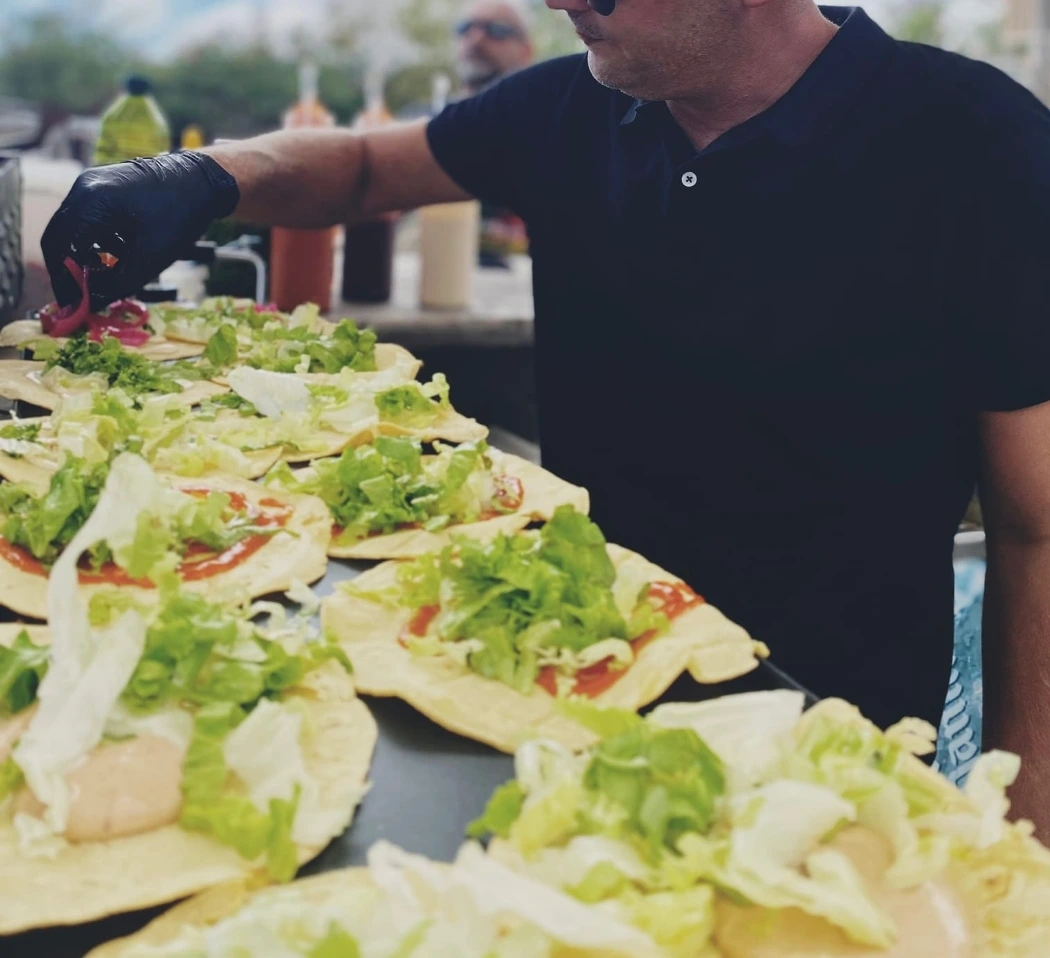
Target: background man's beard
(477,73)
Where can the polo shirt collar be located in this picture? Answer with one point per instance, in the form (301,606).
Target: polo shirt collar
(826,89)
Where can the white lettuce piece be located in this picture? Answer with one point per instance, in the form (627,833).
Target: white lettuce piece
(748,732)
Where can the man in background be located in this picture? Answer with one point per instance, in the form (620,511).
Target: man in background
(493,43)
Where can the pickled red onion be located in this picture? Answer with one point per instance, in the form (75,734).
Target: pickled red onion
(124,320)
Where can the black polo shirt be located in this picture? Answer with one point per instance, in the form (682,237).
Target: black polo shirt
(766,360)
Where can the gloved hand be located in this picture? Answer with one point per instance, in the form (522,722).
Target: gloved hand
(147,213)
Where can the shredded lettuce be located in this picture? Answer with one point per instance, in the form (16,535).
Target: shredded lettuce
(232,819)
(45,525)
(11,778)
(414,404)
(23,666)
(501,812)
(20,431)
(280,348)
(378,488)
(524,600)
(121,369)
(743,798)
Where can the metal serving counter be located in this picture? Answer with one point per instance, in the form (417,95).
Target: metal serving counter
(427,785)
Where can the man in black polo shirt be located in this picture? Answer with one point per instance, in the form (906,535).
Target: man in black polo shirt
(791,297)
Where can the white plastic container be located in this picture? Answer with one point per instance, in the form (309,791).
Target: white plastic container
(449,251)
(45,183)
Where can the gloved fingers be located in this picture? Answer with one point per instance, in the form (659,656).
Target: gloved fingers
(56,244)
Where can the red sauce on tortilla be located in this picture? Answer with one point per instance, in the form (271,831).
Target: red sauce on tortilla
(21,559)
(419,623)
(672,598)
(199,562)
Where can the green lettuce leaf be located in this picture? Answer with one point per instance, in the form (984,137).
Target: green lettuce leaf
(517,597)
(11,778)
(198,652)
(130,372)
(337,943)
(414,404)
(501,812)
(23,431)
(666,781)
(22,667)
(45,525)
(378,488)
(222,348)
(606,723)
(232,819)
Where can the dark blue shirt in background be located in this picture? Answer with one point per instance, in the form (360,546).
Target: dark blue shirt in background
(767,360)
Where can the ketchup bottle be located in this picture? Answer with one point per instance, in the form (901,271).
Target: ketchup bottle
(301,260)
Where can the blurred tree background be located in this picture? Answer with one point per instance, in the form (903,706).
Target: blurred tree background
(235,91)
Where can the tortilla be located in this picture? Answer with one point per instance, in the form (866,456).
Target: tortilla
(224,901)
(298,555)
(322,327)
(161,348)
(449,426)
(701,641)
(20,380)
(544,492)
(1004,888)
(36,467)
(388,356)
(92,880)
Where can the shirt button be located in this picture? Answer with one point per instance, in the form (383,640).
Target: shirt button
(689,179)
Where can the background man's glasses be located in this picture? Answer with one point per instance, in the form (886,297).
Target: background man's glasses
(491,28)
(602,7)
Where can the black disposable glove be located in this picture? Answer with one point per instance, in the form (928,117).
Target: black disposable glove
(146,213)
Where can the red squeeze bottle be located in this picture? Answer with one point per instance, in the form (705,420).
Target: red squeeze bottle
(301,260)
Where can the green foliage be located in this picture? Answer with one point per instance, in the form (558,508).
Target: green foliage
(237,92)
(59,67)
(922,24)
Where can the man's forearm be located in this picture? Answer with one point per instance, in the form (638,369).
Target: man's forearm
(1017,668)
(298,178)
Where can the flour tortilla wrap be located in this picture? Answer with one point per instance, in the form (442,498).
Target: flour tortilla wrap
(1004,888)
(388,356)
(20,380)
(224,901)
(400,904)
(297,554)
(42,458)
(85,882)
(701,641)
(544,492)
(186,333)
(449,426)
(160,348)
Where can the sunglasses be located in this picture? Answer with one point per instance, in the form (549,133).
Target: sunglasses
(491,28)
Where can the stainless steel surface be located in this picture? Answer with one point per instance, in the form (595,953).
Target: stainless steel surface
(427,785)
(232,252)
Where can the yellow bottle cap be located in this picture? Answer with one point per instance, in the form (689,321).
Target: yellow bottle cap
(192,137)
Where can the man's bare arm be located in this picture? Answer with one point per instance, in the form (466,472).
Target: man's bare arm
(1015,493)
(315,178)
